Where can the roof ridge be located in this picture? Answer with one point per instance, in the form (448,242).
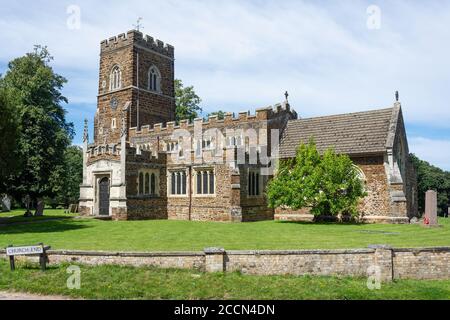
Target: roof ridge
(345,114)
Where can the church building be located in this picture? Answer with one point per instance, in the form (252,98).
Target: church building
(143,165)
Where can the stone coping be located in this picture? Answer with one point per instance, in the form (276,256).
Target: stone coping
(235,252)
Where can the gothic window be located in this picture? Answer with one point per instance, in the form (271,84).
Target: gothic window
(141,183)
(153,184)
(254,188)
(115,79)
(178,181)
(205,181)
(154,79)
(148,183)
(361,175)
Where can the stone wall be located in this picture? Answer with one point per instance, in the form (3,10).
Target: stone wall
(419,263)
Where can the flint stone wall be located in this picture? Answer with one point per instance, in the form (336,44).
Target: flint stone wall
(418,263)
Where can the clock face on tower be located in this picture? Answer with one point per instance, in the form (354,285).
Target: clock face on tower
(114,103)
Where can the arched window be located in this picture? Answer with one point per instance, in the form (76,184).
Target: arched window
(147,184)
(254,187)
(141,183)
(153,184)
(115,80)
(154,79)
(361,175)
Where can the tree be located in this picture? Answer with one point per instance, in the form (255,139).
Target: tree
(45,133)
(9,158)
(66,178)
(328,184)
(430,177)
(187,102)
(220,114)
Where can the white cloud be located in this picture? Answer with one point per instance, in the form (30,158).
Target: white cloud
(434,151)
(241,55)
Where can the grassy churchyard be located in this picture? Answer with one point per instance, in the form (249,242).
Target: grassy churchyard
(89,234)
(107,282)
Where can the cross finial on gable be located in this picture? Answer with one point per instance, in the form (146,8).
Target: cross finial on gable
(138,26)
(286,95)
(397,96)
(86,132)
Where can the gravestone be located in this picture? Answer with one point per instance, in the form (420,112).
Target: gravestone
(431,208)
(6,203)
(39,208)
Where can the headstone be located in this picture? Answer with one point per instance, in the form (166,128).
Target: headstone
(414,220)
(27,202)
(431,208)
(73,208)
(39,208)
(6,203)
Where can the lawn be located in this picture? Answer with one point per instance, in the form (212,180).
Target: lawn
(107,282)
(16,216)
(89,234)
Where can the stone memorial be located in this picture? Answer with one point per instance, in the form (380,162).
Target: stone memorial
(431,208)
(6,203)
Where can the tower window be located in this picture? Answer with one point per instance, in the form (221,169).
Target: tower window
(154,79)
(115,79)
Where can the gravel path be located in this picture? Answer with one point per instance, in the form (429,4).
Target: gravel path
(28,296)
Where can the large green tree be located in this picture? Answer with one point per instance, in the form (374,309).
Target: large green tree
(66,178)
(9,157)
(430,177)
(44,132)
(328,184)
(187,102)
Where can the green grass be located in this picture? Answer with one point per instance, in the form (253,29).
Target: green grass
(117,282)
(16,216)
(89,234)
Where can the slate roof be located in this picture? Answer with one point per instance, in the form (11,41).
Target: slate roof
(352,133)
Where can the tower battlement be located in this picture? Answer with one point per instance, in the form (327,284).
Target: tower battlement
(134,37)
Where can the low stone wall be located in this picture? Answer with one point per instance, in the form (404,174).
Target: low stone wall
(391,263)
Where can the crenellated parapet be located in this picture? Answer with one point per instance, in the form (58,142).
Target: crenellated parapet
(262,114)
(104,151)
(134,37)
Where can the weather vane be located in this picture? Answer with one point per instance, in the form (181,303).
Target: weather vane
(138,26)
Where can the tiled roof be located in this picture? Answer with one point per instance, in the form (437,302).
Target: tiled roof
(352,133)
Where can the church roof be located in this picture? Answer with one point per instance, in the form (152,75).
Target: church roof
(352,133)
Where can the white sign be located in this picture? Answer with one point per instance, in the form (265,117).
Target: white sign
(21,251)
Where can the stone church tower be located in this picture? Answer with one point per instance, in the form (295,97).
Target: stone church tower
(136,84)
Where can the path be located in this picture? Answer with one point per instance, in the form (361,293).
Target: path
(28,296)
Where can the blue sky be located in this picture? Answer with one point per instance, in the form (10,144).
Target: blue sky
(242,55)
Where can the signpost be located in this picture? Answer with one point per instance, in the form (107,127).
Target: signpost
(28,251)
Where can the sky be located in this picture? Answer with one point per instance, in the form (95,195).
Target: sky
(331,56)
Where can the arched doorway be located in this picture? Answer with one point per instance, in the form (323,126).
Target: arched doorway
(104,196)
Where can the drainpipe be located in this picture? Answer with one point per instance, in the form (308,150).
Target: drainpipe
(190,192)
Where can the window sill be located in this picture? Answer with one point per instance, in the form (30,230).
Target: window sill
(204,195)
